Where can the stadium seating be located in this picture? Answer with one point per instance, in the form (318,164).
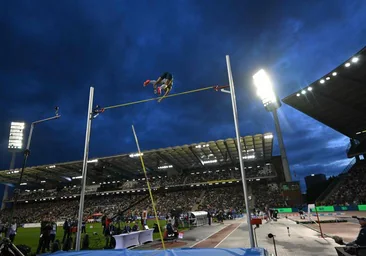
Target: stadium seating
(352,190)
(112,197)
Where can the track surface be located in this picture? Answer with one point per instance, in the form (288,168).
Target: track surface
(215,239)
(347,230)
(291,238)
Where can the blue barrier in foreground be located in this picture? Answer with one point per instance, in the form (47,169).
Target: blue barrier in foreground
(171,252)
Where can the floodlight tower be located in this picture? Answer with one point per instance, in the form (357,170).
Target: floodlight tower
(26,155)
(271,103)
(15,146)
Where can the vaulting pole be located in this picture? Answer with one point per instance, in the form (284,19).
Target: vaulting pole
(148,186)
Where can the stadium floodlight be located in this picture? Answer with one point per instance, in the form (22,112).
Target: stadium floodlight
(271,103)
(322,81)
(265,90)
(334,73)
(165,167)
(26,155)
(16,136)
(93,161)
(347,64)
(202,146)
(354,59)
(15,145)
(135,155)
(268,136)
(209,162)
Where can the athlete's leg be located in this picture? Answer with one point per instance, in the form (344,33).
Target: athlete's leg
(164,76)
(148,81)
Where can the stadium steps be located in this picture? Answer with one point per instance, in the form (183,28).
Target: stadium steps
(134,204)
(185,179)
(331,189)
(342,177)
(200,201)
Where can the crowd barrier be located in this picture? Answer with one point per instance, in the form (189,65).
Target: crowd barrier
(332,208)
(127,240)
(170,252)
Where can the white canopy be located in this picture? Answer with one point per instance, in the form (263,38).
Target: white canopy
(199,214)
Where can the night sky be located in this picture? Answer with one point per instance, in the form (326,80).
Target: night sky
(52,51)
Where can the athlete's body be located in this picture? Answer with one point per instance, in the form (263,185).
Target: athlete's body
(166,81)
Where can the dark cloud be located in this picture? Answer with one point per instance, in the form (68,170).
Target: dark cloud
(51,52)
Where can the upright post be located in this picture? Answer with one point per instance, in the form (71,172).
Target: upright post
(240,151)
(85,167)
(12,163)
(30,136)
(286,168)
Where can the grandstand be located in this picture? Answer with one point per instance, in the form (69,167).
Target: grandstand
(202,176)
(176,173)
(337,100)
(257,150)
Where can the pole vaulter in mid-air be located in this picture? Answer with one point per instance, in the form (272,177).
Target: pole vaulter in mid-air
(166,81)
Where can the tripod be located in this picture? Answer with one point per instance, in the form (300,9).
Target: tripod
(7,248)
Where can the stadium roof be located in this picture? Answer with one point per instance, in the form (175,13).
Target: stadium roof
(204,155)
(337,99)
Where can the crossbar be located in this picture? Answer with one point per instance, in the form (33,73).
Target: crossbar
(216,87)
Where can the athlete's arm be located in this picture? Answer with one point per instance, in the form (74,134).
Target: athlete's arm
(166,93)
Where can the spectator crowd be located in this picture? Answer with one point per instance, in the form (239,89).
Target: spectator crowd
(351,188)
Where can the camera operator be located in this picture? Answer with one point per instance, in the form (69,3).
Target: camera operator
(44,239)
(361,238)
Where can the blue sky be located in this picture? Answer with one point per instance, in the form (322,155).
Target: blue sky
(52,51)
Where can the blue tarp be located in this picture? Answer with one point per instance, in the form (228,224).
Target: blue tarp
(171,252)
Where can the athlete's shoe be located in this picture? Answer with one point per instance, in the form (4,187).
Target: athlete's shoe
(146,82)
